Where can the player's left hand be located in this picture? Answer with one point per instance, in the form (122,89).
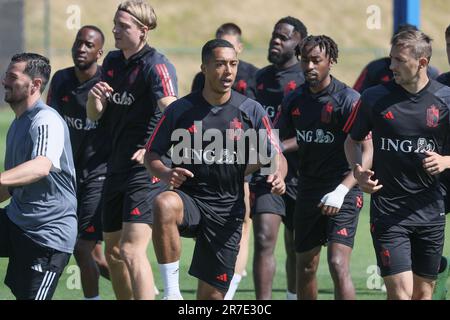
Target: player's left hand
(138,156)
(435,163)
(277,183)
(331,203)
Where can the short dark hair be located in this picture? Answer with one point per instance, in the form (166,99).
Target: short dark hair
(405,27)
(324,43)
(96,29)
(37,66)
(297,24)
(208,48)
(447,31)
(228,28)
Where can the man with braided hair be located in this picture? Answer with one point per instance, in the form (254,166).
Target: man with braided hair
(328,200)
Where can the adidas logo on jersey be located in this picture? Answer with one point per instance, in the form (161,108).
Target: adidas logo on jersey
(295,112)
(37,267)
(343,232)
(389,116)
(222,277)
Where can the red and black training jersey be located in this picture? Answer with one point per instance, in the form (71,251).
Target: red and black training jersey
(317,122)
(91,142)
(132,112)
(244,82)
(218,180)
(272,86)
(378,72)
(444,78)
(404,126)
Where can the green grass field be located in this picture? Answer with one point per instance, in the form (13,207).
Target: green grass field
(363,263)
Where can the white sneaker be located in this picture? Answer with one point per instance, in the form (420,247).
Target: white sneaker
(156,291)
(173,297)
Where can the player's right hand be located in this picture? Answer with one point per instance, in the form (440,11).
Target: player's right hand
(364,179)
(176,176)
(101,91)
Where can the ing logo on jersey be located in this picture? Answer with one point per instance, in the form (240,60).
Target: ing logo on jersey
(124,99)
(421,145)
(318,136)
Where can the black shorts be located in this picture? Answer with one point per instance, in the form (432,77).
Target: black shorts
(128,197)
(288,219)
(313,229)
(405,248)
(217,242)
(33,270)
(89,210)
(263,201)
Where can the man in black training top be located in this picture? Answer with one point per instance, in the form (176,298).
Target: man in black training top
(328,200)
(91,146)
(208,178)
(273,83)
(409,120)
(137,83)
(244,84)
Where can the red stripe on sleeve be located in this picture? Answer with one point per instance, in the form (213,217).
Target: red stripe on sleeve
(149,143)
(270,133)
(277,117)
(166,81)
(360,81)
(161,76)
(348,125)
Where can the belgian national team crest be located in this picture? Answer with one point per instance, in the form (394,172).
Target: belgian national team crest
(327,111)
(236,130)
(432,116)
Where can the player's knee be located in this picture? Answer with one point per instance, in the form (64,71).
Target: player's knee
(128,254)
(112,255)
(338,265)
(82,251)
(264,242)
(166,208)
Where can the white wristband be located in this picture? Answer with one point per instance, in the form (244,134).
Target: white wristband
(342,190)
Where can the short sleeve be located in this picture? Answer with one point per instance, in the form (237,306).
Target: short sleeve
(160,141)
(283,120)
(359,124)
(265,130)
(164,80)
(47,134)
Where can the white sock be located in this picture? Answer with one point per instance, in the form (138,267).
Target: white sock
(93,298)
(170,275)
(290,295)
(234,284)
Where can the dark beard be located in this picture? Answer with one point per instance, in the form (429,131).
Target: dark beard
(85,66)
(279,59)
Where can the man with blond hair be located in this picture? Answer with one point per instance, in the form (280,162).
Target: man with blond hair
(138,83)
